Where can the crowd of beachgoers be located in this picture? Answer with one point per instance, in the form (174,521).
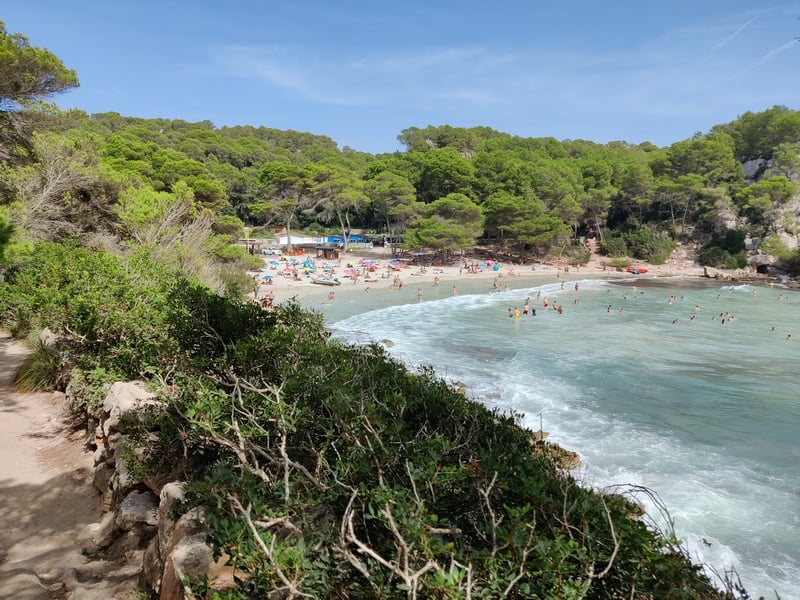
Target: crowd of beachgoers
(306,277)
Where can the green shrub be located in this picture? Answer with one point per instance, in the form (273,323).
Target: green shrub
(646,243)
(108,309)
(619,263)
(792,264)
(733,241)
(614,246)
(775,246)
(725,251)
(577,254)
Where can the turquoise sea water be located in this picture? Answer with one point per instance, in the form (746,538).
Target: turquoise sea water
(705,413)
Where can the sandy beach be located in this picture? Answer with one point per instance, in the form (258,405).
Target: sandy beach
(282,278)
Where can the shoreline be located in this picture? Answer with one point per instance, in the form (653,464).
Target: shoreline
(434,283)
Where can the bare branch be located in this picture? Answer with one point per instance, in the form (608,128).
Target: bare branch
(529,544)
(605,571)
(400,566)
(494,521)
(292,587)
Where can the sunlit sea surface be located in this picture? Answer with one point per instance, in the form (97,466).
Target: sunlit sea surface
(696,398)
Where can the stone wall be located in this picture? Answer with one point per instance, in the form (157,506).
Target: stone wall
(142,543)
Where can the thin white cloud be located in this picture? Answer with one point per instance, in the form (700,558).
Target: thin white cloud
(770,55)
(734,35)
(661,77)
(451,72)
(777,50)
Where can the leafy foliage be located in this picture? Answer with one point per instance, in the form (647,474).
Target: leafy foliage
(378,482)
(27,74)
(725,252)
(448,224)
(534,194)
(639,241)
(93,299)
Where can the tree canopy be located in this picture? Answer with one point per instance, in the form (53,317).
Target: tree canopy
(532,193)
(28,73)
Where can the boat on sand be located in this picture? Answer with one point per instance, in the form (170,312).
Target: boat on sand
(325,281)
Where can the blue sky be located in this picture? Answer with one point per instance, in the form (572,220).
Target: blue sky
(361,72)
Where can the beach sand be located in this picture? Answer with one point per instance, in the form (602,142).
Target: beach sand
(378,283)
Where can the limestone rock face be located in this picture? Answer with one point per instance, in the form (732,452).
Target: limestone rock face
(753,169)
(97,536)
(138,510)
(187,556)
(171,494)
(124,398)
(152,567)
(139,543)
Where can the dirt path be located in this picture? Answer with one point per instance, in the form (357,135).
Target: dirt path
(46,496)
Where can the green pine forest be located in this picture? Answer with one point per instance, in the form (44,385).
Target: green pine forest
(332,471)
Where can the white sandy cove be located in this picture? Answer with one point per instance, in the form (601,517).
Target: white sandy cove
(282,287)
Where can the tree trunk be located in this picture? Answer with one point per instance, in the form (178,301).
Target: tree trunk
(345,232)
(289,233)
(599,229)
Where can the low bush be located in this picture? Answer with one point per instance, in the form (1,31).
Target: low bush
(614,246)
